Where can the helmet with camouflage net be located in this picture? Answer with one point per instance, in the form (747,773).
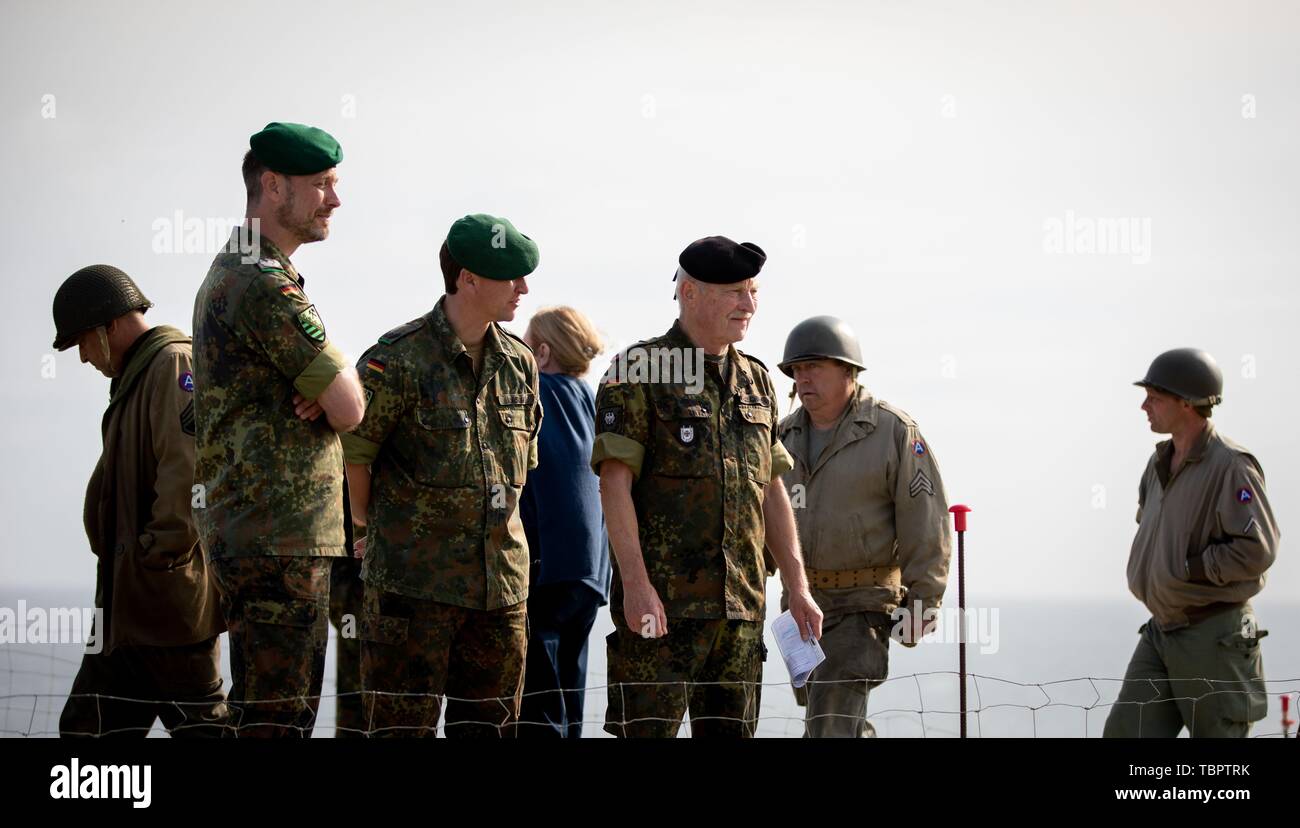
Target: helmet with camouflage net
(821,337)
(93,296)
(1189,373)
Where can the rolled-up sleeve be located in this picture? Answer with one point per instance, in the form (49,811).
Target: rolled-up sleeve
(320,372)
(382,382)
(622,426)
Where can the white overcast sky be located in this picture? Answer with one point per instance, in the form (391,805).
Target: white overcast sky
(899,162)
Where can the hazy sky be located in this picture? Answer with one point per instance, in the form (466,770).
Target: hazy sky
(926,171)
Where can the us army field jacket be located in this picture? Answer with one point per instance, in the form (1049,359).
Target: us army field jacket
(873,499)
(1205,534)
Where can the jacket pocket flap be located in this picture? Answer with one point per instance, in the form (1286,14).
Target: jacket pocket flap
(434,417)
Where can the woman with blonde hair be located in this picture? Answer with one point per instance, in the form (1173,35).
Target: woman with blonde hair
(560,509)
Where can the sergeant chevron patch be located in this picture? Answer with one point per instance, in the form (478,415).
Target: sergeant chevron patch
(187,418)
(921,483)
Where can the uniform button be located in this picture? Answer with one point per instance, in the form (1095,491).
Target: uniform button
(483,444)
(508,417)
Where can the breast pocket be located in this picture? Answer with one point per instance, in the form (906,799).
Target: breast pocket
(755,414)
(446,446)
(684,443)
(515,413)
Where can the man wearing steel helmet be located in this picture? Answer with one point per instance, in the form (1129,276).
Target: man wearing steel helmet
(1205,537)
(873,522)
(158,653)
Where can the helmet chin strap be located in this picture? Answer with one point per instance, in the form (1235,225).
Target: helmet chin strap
(102,338)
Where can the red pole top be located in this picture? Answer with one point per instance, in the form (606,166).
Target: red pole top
(959,517)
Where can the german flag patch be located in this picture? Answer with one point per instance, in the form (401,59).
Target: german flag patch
(290,290)
(375,365)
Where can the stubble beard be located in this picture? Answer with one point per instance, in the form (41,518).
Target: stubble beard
(303,230)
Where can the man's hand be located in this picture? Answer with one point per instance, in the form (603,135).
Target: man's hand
(918,624)
(359,547)
(644,611)
(306,409)
(806,614)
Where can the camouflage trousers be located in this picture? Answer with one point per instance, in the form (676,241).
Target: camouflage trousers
(347,594)
(1207,677)
(857,661)
(712,668)
(277,614)
(414,651)
(120,694)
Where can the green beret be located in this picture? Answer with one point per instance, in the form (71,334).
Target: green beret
(295,149)
(491,247)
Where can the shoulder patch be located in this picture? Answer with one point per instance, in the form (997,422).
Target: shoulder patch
(269,265)
(403,330)
(610,420)
(186,381)
(310,323)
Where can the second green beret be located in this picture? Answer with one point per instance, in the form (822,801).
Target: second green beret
(491,247)
(295,149)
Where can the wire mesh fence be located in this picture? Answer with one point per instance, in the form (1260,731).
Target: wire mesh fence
(35,682)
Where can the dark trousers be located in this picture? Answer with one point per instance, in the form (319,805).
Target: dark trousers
(347,598)
(560,618)
(120,694)
(277,613)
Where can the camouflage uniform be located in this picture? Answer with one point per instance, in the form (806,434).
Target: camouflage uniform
(273,515)
(446,565)
(701,463)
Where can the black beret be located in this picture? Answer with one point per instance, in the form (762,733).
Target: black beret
(720,261)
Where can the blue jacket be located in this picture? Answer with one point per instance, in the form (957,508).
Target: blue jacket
(560,505)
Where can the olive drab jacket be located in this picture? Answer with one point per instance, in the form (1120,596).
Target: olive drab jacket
(871,511)
(1206,533)
(153,584)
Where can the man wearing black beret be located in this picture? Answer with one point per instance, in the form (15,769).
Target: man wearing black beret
(691,487)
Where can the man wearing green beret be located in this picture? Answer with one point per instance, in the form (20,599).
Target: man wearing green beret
(435,473)
(269,466)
